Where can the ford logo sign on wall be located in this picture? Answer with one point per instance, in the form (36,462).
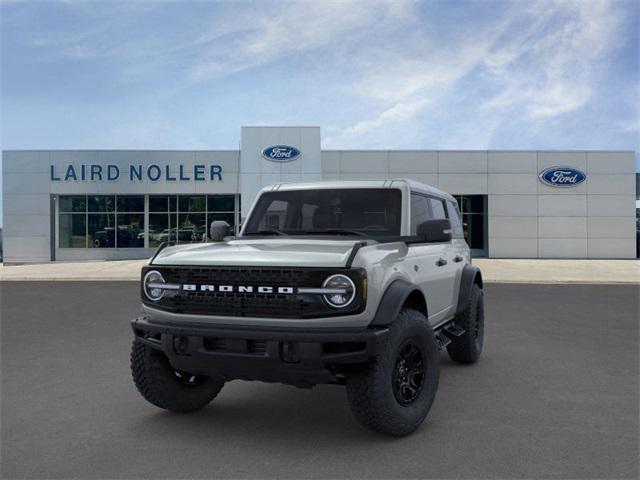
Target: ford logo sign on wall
(281,153)
(562,177)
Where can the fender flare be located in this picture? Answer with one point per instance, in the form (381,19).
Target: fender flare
(470,275)
(392,301)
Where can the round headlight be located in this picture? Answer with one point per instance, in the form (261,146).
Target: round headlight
(151,283)
(343,291)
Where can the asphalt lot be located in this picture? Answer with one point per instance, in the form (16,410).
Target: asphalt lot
(554,396)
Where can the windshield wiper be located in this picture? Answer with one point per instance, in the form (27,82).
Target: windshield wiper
(270,231)
(337,231)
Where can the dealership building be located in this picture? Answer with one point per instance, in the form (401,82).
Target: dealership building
(121,204)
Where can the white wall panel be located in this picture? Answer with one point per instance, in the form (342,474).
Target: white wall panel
(612,227)
(562,227)
(21,249)
(427,178)
(311,161)
(77,157)
(31,161)
(229,160)
(612,248)
(512,183)
(513,205)
(562,205)
(462,162)
(364,176)
(512,162)
(513,227)
(330,177)
(598,184)
(544,189)
(25,204)
(20,183)
(513,247)
(562,247)
(612,205)
(26,225)
(364,162)
(330,161)
(407,161)
(611,162)
(562,159)
(455,183)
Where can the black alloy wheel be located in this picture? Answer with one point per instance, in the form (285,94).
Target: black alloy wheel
(408,374)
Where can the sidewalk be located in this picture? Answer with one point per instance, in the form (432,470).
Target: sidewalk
(493,271)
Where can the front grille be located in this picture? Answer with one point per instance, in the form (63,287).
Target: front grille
(235,276)
(252,304)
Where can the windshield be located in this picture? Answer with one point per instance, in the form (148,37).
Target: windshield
(371,212)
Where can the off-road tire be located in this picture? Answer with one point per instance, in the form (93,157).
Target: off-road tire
(468,347)
(160,385)
(370,388)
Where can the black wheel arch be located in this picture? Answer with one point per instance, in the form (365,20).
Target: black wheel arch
(471,275)
(399,294)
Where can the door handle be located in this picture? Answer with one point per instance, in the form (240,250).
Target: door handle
(457,259)
(441,262)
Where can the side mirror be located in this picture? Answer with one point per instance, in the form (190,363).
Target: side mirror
(465,226)
(218,230)
(438,230)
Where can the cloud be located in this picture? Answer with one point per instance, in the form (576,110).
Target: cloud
(551,67)
(537,60)
(383,74)
(264,36)
(228,38)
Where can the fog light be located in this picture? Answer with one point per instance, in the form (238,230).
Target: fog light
(181,345)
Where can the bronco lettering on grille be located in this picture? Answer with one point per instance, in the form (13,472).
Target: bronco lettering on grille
(192,287)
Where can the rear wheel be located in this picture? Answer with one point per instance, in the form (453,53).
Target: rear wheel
(394,393)
(468,347)
(165,387)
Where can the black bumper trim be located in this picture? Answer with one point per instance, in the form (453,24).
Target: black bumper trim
(279,355)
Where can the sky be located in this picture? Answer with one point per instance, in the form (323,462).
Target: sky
(373,74)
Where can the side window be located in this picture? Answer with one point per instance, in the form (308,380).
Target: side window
(456,223)
(437,207)
(420,211)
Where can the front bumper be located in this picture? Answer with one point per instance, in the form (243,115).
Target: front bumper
(281,355)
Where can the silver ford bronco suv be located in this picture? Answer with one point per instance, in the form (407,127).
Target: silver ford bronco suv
(357,283)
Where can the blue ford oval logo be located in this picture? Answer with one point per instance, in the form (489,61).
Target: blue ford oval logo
(281,153)
(562,176)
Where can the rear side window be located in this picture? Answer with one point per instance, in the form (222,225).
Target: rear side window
(420,211)
(456,223)
(437,208)
(425,208)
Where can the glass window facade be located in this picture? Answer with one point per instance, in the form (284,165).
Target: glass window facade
(138,221)
(473,209)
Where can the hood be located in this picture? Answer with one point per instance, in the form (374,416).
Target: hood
(275,252)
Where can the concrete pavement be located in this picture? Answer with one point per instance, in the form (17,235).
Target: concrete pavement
(493,271)
(555,395)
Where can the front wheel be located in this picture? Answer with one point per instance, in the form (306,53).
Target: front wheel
(165,387)
(394,393)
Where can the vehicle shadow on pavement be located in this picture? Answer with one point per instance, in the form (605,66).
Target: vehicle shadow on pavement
(255,408)
(249,409)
